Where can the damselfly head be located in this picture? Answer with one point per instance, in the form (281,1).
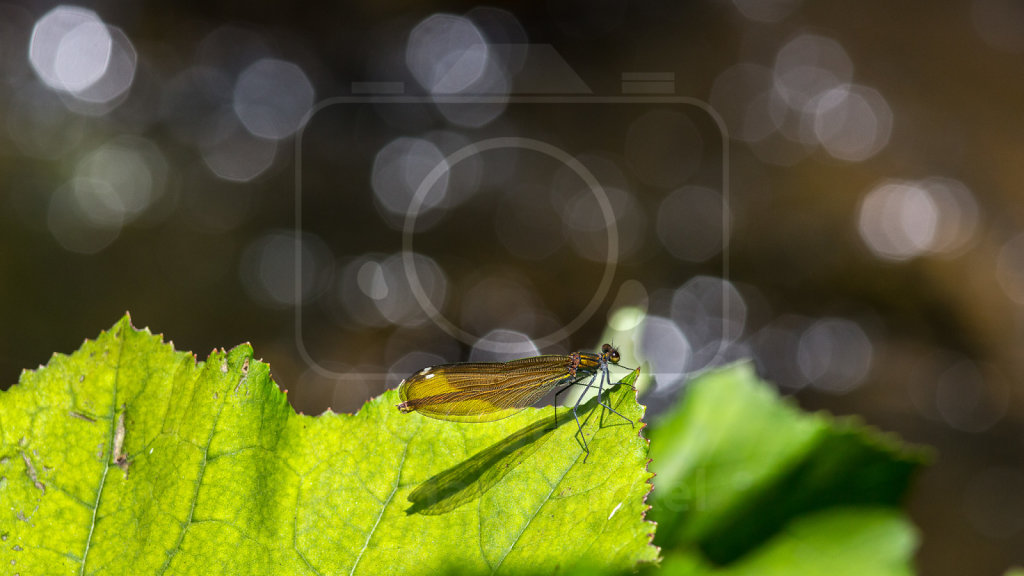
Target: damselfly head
(609,353)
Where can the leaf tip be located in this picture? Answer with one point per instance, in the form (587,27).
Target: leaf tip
(123,323)
(245,349)
(884,440)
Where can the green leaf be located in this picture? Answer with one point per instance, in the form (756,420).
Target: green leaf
(130,457)
(837,542)
(737,465)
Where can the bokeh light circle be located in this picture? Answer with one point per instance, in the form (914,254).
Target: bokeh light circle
(446,54)
(272,97)
(900,220)
(70,48)
(835,355)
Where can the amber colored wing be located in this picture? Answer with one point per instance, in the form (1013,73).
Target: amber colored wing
(482,391)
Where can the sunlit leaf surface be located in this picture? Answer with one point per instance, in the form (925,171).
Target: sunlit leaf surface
(130,457)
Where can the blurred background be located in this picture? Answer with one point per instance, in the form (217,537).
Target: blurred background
(858,234)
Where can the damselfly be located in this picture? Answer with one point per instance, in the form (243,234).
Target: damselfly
(488,391)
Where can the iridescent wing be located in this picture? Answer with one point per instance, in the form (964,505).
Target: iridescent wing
(482,391)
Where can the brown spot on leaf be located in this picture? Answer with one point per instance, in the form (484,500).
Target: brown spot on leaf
(120,459)
(31,471)
(81,416)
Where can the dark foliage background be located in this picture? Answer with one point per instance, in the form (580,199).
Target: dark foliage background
(874,265)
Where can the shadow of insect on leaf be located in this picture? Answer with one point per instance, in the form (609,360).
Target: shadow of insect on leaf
(473,477)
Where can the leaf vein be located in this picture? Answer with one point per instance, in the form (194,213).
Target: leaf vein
(384,506)
(108,453)
(530,520)
(198,483)
(295,528)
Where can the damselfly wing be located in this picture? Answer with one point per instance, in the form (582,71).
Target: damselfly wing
(488,391)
